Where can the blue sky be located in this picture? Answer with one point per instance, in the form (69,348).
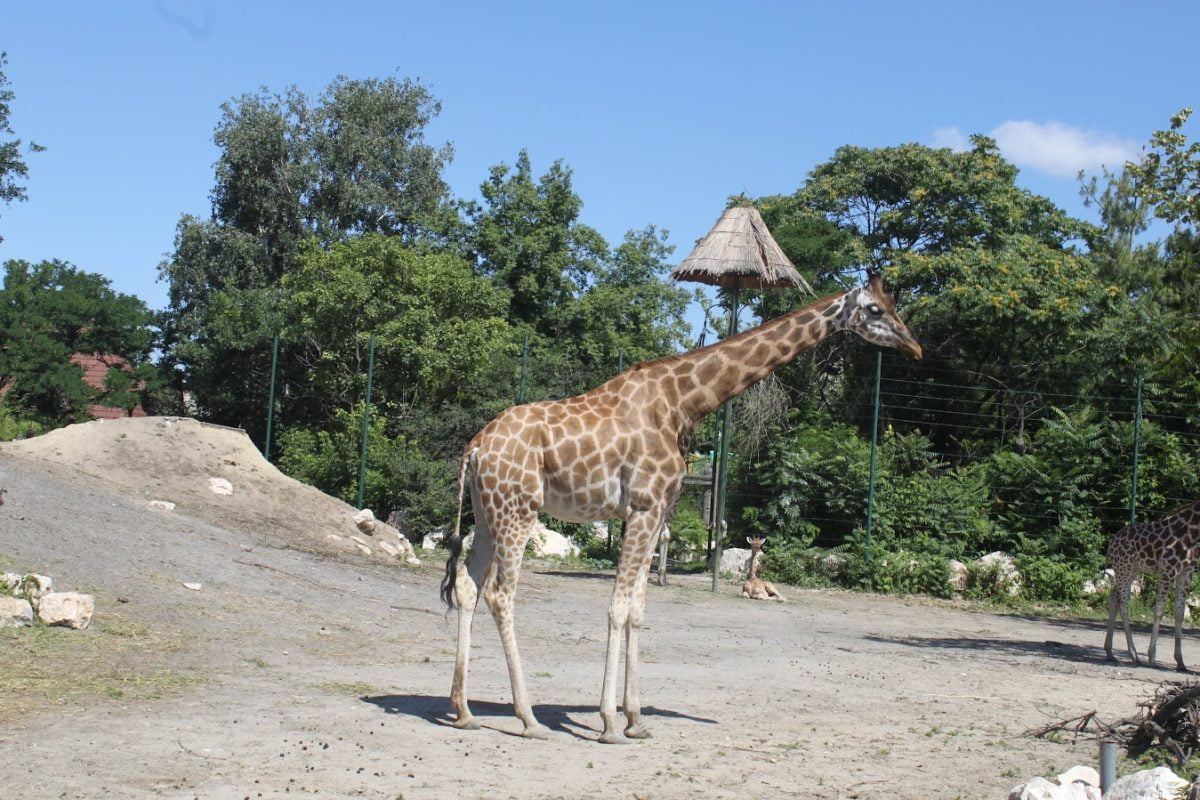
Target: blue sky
(662,109)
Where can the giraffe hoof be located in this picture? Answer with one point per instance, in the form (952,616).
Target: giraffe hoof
(612,737)
(638,731)
(466,724)
(536,731)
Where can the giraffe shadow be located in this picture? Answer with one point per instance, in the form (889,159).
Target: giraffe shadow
(556,717)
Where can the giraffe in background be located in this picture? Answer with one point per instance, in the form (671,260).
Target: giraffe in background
(1165,547)
(617,452)
(755,588)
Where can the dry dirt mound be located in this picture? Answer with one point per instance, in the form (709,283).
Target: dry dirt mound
(174,458)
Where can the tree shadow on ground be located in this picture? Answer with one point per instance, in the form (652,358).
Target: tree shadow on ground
(1047,648)
(437,710)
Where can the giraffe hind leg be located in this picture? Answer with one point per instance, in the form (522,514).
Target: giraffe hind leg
(511,531)
(466,596)
(1181,589)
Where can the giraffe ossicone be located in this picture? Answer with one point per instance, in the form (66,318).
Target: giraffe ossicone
(617,452)
(1166,547)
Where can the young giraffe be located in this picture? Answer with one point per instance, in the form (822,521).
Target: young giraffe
(1166,547)
(617,452)
(755,588)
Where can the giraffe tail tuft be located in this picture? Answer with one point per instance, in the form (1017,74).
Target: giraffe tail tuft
(455,542)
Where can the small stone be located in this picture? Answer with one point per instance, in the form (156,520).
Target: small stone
(389,548)
(220,486)
(162,505)
(195,587)
(365,521)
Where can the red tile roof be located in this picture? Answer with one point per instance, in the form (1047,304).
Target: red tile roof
(95,367)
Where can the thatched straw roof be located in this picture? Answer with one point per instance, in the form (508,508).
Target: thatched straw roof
(739,249)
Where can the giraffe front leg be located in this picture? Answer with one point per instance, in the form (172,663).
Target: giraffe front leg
(618,613)
(636,729)
(1159,604)
(1114,601)
(1125,624)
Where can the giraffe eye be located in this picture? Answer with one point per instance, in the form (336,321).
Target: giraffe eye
(874,310)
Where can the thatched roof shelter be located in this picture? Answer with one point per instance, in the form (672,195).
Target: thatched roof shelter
(739,252)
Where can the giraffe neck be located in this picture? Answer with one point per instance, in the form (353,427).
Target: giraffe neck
(753,571)
(729,367)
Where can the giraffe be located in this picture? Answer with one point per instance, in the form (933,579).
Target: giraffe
(617,451)
(755,588)
(1165,547)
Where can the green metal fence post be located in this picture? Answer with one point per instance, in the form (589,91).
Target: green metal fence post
(271,397)
(362,461)
(723,453)
(1137,441)
(874,449)
(524,362)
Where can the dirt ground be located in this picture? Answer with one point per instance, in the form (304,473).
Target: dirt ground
(302,668)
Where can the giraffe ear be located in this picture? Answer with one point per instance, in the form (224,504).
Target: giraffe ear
(875,281)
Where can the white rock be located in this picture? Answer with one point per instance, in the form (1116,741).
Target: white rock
(547,542)
(15,612)
(69,609)
(9,582)
(195,587)
(33,586)
(220,486)
(366,551)
(333,536)
(430,540)
(359,540)
(1159,783)
(959,575)
(388,548)
(1007,577)
(365,521)
(735,560)
(162,505)
(1087,775)
(1036,789)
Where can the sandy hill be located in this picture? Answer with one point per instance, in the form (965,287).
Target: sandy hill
(174,458)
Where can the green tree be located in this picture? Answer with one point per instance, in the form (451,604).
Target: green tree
(527,237)
(291,169)
(439,328)
(13,169)
(630,309)
(50,311)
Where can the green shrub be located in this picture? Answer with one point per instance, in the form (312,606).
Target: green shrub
(1051,579)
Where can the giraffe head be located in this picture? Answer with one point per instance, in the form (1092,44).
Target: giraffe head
(872,315)
(756,543)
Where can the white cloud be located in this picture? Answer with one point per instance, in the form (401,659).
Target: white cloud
(1053,148)
(951,137)
(1059,149)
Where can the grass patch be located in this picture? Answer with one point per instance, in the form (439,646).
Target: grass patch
(43,667)
(349,689)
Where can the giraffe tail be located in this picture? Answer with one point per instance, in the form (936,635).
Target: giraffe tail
(455,542)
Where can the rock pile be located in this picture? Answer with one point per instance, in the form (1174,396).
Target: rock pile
(21,595)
